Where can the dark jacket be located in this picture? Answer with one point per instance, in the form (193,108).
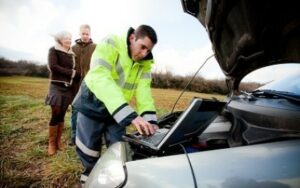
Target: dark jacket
(83,53)
(62,66)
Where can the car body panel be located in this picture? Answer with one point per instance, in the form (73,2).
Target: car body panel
(264,165)
(164,172)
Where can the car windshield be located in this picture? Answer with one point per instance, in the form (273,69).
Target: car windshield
(280,78)
(290,84)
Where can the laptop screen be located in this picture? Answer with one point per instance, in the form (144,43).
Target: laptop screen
(193,121)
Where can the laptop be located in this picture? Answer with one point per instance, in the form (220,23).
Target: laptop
(192,122)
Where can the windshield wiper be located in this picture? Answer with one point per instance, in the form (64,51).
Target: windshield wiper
(273,93)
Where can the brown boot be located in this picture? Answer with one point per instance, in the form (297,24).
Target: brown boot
(52,140)
(59,143)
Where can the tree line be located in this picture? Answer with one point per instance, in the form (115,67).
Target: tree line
(160,80)
(22,68)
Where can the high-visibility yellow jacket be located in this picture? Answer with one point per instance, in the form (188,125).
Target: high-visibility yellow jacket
(114,79)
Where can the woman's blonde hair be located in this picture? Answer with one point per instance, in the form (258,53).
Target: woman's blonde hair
(61,35)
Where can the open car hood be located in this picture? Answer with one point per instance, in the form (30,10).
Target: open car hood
(249,34)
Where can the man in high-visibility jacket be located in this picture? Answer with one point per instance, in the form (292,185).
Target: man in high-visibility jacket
(120,69)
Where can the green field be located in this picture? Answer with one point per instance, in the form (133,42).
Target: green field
(24,134)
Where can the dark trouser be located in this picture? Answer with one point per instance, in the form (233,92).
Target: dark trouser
(73,123)
(89,141)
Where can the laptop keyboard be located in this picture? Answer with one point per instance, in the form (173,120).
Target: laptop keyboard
(156,138)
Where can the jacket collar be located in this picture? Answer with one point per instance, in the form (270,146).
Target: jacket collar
(79,41)
(59,47)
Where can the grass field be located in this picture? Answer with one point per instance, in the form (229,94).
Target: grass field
(24,134)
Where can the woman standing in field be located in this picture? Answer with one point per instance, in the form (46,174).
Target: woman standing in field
(63,77)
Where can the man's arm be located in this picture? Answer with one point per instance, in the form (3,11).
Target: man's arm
(145,102)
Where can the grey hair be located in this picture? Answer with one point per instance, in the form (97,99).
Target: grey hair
(61,35)
(86,26)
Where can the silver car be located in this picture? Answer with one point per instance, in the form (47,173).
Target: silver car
(254,142)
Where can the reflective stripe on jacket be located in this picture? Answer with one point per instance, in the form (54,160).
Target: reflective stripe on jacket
(114,79)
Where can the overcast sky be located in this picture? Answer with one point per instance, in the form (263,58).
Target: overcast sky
(183,44)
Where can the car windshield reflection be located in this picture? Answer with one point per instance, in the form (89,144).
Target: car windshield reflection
(267,79)
(290,84)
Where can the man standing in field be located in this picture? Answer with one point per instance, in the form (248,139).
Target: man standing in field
(83,50)
(120,69)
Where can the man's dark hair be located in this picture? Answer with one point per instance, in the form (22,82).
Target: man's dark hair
(146,31)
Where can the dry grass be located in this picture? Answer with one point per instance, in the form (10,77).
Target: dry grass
(165,99)
(24,128)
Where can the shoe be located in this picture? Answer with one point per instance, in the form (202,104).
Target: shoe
(59,144)
(52,140)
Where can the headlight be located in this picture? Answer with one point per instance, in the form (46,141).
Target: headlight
(108,171)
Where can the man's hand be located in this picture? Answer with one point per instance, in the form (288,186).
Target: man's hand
(143,126)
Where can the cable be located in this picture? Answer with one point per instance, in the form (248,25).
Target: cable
(192,170)
(184,89)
